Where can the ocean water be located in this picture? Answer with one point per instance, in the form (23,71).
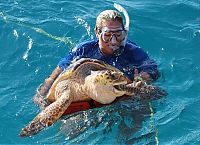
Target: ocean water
(35,35)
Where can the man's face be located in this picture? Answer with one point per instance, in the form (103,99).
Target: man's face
(112,42)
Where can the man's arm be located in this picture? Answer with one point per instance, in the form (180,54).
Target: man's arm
(40,96)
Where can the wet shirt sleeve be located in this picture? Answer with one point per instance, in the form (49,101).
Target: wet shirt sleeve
(76,53)
(82,50)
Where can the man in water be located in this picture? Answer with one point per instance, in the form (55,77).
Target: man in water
(111,46)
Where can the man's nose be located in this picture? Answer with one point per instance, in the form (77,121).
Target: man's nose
(113,39)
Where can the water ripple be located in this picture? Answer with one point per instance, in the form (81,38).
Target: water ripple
(193,137)
(173,110)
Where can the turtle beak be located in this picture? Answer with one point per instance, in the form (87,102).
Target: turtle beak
(118,88)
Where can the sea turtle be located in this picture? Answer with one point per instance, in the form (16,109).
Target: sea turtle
(85,79)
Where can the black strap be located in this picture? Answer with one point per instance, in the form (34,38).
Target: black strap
(92,104)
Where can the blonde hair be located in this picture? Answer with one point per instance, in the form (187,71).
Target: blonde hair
(108,15)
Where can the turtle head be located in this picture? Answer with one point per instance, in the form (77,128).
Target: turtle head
(109,78)
(103,85)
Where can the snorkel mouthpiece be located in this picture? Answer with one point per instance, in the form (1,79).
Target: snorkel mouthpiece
(127,19)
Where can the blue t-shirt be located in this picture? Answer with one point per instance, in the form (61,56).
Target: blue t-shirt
(130,58)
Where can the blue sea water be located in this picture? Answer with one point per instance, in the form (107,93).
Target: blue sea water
(35,35)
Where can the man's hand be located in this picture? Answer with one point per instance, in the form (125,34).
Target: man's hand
(144,75)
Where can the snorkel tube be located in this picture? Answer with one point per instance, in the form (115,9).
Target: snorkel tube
(127,19)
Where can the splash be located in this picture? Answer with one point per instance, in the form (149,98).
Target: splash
(85,25)
(30,44)
(15,33)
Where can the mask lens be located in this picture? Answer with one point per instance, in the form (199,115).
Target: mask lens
(118,34)
(106,36)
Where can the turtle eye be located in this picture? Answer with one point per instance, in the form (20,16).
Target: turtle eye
(114,75)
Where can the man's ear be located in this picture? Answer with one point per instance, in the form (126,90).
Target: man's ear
(97,34)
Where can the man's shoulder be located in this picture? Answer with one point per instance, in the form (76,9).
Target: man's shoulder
(87,43)
(135,51)
(85,46)
(131,43)
(132,46)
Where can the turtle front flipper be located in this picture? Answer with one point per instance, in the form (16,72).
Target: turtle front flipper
(48,116)
(151,92)
(143,90)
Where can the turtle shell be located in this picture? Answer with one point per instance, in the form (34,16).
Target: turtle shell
(77,71)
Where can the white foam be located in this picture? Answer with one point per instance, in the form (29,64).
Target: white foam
(30,44)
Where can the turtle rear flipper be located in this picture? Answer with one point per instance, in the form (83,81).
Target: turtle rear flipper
(48,116)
